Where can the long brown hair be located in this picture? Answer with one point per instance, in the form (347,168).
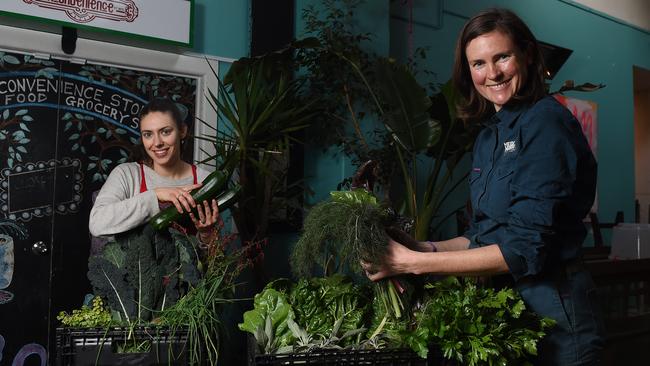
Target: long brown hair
(473,106)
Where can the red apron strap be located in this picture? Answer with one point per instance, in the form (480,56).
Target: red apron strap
(143,182)
(196,180)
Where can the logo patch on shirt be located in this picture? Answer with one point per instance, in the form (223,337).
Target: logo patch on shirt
(509,146)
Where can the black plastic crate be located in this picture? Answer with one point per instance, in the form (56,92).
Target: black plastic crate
(383,357)
(333,357)
(101,347)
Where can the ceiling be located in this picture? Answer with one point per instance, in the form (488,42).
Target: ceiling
(635,12)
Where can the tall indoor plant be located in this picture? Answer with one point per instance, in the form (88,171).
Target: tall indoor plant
(375,109)
(262,110)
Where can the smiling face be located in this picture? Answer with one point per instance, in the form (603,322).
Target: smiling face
(161,138)
(497,67)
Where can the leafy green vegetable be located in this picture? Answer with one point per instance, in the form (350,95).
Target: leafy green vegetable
(93,316)
(143,271)
(340,232)
(475,325)
(319,302)
(312,313)
(357,196)
(269,316)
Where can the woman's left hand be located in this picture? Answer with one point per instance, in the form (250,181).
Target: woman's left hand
(207,216)
(398,260)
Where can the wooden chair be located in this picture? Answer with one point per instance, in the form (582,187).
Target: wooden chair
(596,226)
(600,250)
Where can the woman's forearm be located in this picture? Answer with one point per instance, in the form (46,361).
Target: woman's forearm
(486,260)
(457,243)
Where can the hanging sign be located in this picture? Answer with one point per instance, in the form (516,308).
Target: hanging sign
(167,20)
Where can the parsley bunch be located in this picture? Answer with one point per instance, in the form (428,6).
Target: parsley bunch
(475,325)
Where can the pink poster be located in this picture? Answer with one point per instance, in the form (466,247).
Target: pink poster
(585,112)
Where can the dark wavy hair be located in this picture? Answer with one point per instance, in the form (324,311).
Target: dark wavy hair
(473,107)
(158,104)
(165,105)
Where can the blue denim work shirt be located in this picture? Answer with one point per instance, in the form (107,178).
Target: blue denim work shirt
(533,180)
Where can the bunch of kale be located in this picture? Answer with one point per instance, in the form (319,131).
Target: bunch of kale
(142,271)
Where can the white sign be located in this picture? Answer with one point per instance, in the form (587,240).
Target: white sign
(168,20)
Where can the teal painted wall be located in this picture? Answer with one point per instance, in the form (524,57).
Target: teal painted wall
(221,27)
(324,170)
(604,51)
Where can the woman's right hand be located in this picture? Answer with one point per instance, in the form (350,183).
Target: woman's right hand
(178,196)
(398,260)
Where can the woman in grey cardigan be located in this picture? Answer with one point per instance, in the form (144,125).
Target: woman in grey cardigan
(134,192)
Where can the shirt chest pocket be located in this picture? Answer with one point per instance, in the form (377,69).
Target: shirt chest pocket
(504,172)
(499,197)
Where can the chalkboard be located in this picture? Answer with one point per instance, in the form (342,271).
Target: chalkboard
(30,189)
(63,128)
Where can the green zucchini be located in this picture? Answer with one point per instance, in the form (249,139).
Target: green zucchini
(212,186)
(228,198)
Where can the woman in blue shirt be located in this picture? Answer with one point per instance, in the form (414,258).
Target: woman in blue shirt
(532,182)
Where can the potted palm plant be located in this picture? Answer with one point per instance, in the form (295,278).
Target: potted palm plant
(261,112)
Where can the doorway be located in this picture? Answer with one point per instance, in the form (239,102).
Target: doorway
(641,84)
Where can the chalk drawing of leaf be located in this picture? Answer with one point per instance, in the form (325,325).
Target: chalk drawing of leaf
(10,59)
(18,135)
(46,72)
